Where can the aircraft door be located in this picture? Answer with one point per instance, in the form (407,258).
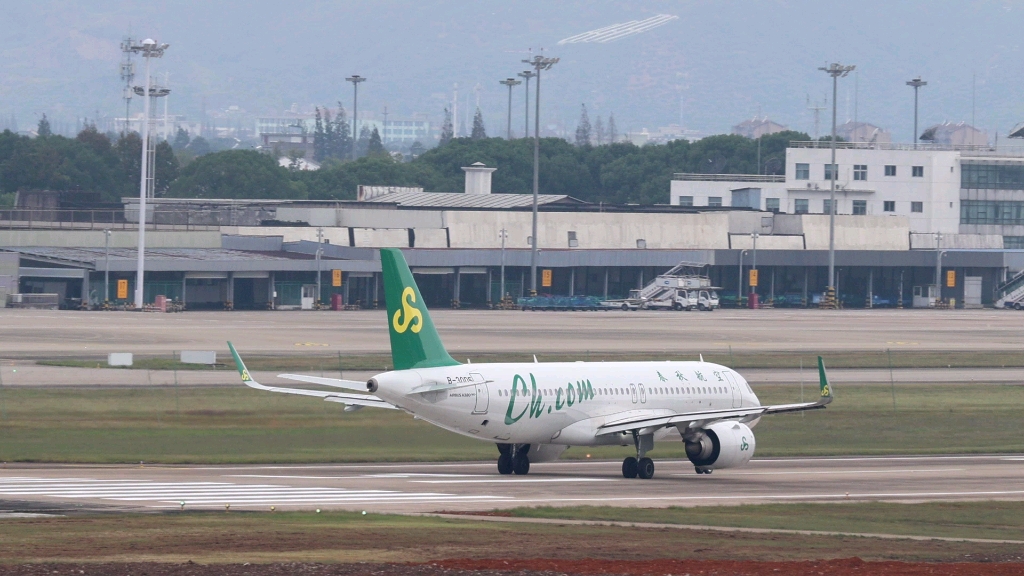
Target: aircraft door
(733,389)
(643,394)
(482,395)
(632,390)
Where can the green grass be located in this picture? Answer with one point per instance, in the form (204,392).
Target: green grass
(986,520)
(844,359)
(239,425)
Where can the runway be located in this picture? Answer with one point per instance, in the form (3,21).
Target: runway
(476,486)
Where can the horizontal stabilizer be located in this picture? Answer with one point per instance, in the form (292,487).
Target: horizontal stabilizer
(333,382)
(344,398)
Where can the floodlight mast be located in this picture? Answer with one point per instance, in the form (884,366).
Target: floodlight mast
(355,79)
(539,63)
(510,82)
(526,118)
(915,84)
(836,71)
(149,49)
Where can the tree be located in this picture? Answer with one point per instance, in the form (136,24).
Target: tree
(583,128)
(342,139)
(165,168)
(320,137)
(613,132)
(363,142)
(478,133)
(599,131)
(235,174)
(417,149)
(198,146)
(374,146)
(43,130)
(447,131)
(181,140)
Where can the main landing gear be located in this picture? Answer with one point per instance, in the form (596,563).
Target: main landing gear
(513,459)
(640,467)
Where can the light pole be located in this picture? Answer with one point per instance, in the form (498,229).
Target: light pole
(915,84)
(739,279)
(319,248)
(503,234)
(106,266)
(526,119)
(836,71)
(753,259)
(539,63)
(149,49)
(355,79)
(510,82)
(938,266)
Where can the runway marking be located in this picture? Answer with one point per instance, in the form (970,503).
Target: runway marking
(395,475)
(513,480)
(808,472)
(806,497)
(213,493)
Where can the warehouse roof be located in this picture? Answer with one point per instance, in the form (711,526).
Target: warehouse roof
(453,200)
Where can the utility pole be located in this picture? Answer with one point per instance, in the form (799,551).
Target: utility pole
(355,79)
(527,75)
(539,63)
(836,71)
(149,49)
(915,84)
(510,82)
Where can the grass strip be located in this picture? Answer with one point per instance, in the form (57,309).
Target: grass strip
(352,537)
(218,425)
(901,358)
(985,520)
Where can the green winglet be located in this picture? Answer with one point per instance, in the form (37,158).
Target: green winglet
(826,389)
(239,364)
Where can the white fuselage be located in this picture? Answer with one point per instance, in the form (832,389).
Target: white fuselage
(561,403)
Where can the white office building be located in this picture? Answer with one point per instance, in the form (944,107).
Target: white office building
(972,195)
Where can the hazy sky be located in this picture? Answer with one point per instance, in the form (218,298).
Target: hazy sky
(719,63)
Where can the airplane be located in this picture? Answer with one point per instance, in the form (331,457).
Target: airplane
(535,411)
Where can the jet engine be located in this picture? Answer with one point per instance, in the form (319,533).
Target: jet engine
(720,445)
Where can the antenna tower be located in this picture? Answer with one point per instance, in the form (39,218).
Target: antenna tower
(816,108)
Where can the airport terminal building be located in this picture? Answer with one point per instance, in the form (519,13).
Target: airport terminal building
(949,231)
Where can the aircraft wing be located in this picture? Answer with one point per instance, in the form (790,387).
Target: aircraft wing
(341,397)
(647,421)
(333,382)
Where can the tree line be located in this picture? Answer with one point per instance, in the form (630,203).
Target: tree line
(615,173)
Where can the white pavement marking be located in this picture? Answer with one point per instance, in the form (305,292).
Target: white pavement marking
(809,472)
(220,493)
(512,480)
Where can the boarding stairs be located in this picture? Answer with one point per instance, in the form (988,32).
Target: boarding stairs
(685,275)
(1011,292)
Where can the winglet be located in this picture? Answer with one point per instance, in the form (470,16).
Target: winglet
(826,388)
(246,379)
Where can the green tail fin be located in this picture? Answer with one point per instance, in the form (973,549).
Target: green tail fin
(826,388)
(414,341)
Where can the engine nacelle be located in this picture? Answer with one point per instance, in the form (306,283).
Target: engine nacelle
(721,445)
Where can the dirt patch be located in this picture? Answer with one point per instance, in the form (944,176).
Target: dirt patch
(839,567)
(498,567)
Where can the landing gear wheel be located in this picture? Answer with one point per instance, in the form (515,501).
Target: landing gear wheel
(645,468)
(702,470)
(629,467)
(505,464)
(521,465)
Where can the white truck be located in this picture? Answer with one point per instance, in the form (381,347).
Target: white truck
(703,300)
